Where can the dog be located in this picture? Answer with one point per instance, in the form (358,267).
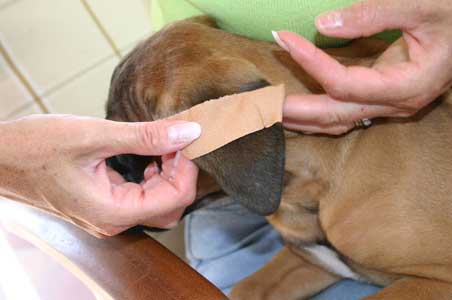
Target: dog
(374,205)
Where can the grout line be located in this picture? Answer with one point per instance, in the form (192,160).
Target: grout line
(18,110)
(102,29)
(77,75)
(22,79)
(89,68)
(8,3)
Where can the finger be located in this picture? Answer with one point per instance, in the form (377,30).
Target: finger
(179,189)
(158,195)
(357,84)
(168,171)
(146,138)
(313,129)
(169,165)
(166,221)
(115,177)
(151,170)
(323,111)
(366,18)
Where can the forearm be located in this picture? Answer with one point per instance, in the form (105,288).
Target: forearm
(5,167)
(57,163)
(12,180)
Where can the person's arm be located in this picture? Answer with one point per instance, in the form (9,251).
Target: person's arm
(410,74)
(8,173)
(57,163)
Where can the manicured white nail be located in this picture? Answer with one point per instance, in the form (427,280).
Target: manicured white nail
(279,42)
(330,20)
(184,132)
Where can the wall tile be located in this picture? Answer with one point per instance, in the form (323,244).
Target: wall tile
(13,94)
(51,40)
(4,3)
(126,50)
(25,111)
(85,95)
(125,21)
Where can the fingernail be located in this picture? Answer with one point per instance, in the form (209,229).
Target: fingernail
(151,170)
(176,159)
(184,132)
(279,42)
(330,20)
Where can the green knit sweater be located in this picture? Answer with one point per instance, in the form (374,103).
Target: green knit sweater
(256,18)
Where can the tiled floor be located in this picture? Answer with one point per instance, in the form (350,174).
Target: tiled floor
(58,56)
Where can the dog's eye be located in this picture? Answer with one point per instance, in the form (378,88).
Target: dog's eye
(254,85)
(214,91)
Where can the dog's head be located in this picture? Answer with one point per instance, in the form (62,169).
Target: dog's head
(183,65)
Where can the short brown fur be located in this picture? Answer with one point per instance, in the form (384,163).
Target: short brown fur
(382,197)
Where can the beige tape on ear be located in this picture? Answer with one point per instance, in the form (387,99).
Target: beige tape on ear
(228,118)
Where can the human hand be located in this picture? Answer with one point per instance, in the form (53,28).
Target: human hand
(411,73)
(57,163)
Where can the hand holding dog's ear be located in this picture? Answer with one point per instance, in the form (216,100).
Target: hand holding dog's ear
(57,163)
(411,73)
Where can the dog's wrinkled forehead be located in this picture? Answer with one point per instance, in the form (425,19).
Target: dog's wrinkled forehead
(180,66)
(158,77)
(137,83)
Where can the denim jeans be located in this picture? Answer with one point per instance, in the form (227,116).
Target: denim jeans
(226,243)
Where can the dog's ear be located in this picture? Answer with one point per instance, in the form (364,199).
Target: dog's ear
(250,169)
(150,85)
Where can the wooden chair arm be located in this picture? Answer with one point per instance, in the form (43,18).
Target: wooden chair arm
(131,266)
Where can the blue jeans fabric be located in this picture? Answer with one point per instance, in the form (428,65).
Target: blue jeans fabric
(226,243)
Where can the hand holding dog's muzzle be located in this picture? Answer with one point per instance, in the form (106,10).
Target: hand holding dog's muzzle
(57,163)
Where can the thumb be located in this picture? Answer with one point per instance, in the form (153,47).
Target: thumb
(369,17)
(148,138)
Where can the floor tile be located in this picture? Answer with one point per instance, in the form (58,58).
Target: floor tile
(125,21)
(14,94)
(51,40)
(85,95)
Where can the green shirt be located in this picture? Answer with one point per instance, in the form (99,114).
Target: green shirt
(257,18)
